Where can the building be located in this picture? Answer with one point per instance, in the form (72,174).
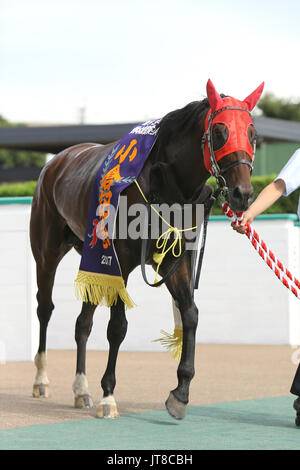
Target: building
(277,140)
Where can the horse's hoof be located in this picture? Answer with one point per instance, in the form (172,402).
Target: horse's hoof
(107,408)
(296,404)
(41,391)
(107,411)
(175,407)
(83,401)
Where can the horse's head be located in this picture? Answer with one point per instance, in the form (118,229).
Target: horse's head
(229,144)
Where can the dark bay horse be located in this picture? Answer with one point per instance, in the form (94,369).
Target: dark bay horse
(175,171)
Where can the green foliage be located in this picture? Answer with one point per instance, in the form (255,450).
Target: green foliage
(4,122)
(285,205)
(18,189)
(13,158)
(279,108)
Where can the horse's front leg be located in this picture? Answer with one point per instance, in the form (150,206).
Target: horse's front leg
(116,332)
(179,287)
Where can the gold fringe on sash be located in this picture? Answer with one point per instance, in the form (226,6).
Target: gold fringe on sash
(101,289)
(172,342)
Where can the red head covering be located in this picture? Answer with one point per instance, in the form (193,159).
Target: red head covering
(236,120)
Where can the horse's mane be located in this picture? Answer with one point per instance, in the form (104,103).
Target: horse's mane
(177,124)
(180,122)
(174,128)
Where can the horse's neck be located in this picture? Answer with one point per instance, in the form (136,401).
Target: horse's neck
(190,171)
(175,170)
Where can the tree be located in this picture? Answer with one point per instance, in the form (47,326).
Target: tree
(16,158)
(279,108)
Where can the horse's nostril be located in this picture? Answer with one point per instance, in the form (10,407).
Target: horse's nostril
(241,198)
(237,193)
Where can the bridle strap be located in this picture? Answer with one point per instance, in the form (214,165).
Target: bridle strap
(217,172)
(207,208)
(236,162)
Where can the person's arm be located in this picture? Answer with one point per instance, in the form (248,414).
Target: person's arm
(264,200)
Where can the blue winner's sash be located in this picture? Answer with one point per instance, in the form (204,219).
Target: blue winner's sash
(99,279)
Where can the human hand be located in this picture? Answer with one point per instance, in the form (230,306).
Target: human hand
(242,227)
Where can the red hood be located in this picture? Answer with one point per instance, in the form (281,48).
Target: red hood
(236,120)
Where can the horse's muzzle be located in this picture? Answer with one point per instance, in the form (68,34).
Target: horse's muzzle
(240,198)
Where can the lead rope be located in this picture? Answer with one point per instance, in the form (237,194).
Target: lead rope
(283,274)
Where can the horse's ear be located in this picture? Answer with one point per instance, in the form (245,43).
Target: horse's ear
(252,99)
(213,96)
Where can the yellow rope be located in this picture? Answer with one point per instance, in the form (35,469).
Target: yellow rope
(162,241)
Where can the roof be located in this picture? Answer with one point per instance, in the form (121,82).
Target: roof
(53,139)
(277,129)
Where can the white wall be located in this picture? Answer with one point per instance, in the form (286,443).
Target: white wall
(239,298)
(18,323)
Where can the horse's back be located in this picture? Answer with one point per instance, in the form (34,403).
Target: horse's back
(65,184)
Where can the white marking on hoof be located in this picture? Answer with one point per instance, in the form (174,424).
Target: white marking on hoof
(107,408)
(83,401)
(41,383)
(80,385)
(175,407)
(81,392)
(41,391)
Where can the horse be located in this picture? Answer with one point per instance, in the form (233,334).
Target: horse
(184,156)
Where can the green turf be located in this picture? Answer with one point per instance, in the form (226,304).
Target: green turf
(266,423)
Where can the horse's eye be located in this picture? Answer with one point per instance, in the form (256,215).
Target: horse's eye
(220,135)
(251,134)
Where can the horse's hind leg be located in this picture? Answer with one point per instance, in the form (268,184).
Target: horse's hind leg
(116,332)
(83,328)
(45,280)
(48,247)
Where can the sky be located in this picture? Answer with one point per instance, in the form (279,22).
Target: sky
(128,61)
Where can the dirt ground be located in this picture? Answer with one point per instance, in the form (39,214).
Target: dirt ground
(144,379)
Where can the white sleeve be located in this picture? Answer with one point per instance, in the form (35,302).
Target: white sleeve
(290,174)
